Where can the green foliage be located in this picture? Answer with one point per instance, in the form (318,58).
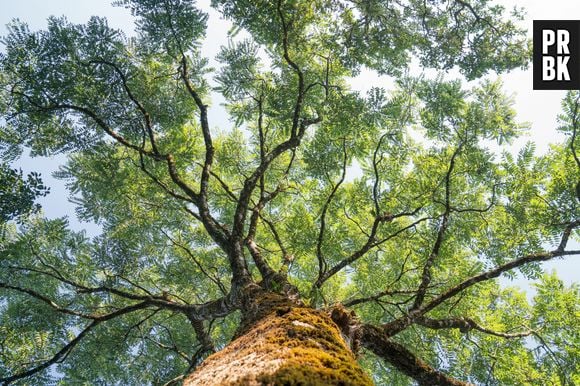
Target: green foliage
(17,194)
(384,172)
(167,27)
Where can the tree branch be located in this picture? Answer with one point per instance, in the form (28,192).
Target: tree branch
(575,131)
(70,345)
(370,243)
(206,311)
(184,248)
(426,276)
(322,266)
(374,339)
(403,322)
(48,301)
(139,105)
(216,232)
(466,325)
(207,345)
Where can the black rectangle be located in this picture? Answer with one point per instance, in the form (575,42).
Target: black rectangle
(554,57)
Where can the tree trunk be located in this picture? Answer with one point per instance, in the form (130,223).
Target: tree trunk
(283,344)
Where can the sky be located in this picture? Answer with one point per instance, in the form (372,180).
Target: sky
(539,108)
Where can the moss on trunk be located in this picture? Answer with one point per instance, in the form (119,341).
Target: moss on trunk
(289,346)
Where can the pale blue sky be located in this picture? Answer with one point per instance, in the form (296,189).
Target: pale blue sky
(540,108)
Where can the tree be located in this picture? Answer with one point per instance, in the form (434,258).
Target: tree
(18,194)
(327,232)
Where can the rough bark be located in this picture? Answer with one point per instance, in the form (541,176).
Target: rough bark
(288,345)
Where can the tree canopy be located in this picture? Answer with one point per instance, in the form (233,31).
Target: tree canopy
(402,205)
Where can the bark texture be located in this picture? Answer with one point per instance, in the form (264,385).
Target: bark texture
(291,345)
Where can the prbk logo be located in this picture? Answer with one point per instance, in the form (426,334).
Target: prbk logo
(556,55)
